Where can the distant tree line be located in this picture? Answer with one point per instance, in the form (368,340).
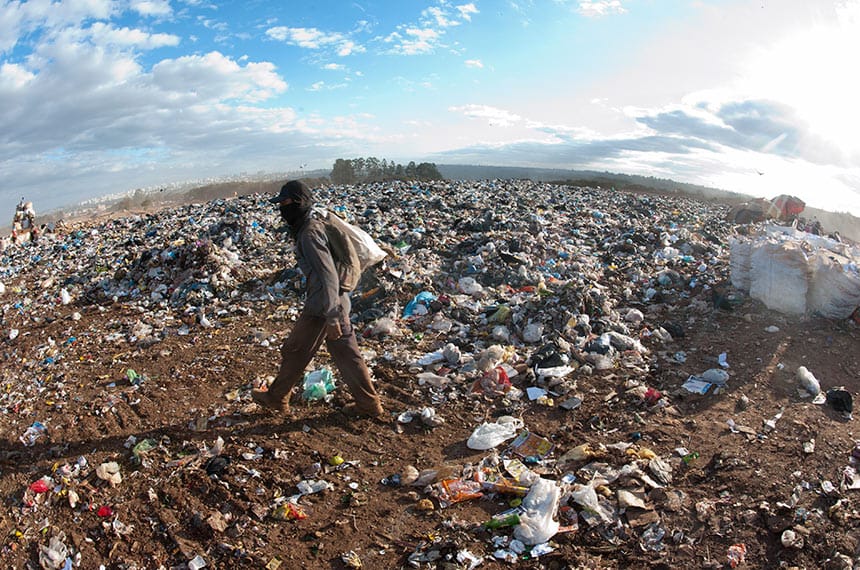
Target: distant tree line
(360,170)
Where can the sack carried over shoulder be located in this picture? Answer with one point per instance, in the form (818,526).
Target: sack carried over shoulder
(352,248)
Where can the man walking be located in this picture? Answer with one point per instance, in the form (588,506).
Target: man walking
(325,316)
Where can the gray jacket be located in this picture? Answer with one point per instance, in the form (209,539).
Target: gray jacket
(316,262)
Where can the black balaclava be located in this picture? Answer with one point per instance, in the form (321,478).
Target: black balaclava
(296,214)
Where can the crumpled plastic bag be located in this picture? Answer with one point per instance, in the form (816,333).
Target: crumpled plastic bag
(318,384)
(537,524)
(54,556)
(489,435)
(586,497)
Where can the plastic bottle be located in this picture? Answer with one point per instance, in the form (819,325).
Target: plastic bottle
(512,519)
(690,457)
(808,381)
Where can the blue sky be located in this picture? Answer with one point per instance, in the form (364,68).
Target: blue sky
(99,97)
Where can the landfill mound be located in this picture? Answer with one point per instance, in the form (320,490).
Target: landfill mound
(572,382)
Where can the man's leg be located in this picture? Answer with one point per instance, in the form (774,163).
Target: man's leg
(296,353)
(353,370)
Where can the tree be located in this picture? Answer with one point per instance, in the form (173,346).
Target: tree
(359,165)
(372,169)
(343,172)
(427,171)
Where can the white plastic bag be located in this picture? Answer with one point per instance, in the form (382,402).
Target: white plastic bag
(489,435)
(537,524)
(586,497)
(469,286)
(369,253)
(533,332)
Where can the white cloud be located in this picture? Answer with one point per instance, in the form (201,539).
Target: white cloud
(96,119)
(474,63)
(312,38)
(563,132)
(71,62)
(58,14)
(13,77)
(438,16)
(20,18)
(348,47)
(211,24)
(467,10)
(158,8)
(334,67)
(443,16)
(598,8)
(323,86)
(493,115)
(417,41)
(214,76)
(106,34)
(426,36)
(11,20)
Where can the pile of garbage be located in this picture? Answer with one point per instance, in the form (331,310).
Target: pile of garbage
(499,299)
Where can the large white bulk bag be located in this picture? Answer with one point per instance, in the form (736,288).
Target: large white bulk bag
(834,291)
(740,262)
(779,276)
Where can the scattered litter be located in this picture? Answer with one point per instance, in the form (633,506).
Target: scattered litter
(489,435)
(317,385)
(736,555)
(505,312)
(807,381)
(33,433)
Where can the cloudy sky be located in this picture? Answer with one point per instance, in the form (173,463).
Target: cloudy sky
(102,96)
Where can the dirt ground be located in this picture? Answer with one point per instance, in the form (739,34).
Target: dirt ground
(178,503)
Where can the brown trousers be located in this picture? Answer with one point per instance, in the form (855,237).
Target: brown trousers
(303,343)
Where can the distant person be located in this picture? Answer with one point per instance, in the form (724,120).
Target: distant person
(324,317)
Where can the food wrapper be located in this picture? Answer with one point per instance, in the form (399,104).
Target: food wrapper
(529,444)
(493,481)
(450,491)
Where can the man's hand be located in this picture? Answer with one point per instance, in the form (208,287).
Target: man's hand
(333,332)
